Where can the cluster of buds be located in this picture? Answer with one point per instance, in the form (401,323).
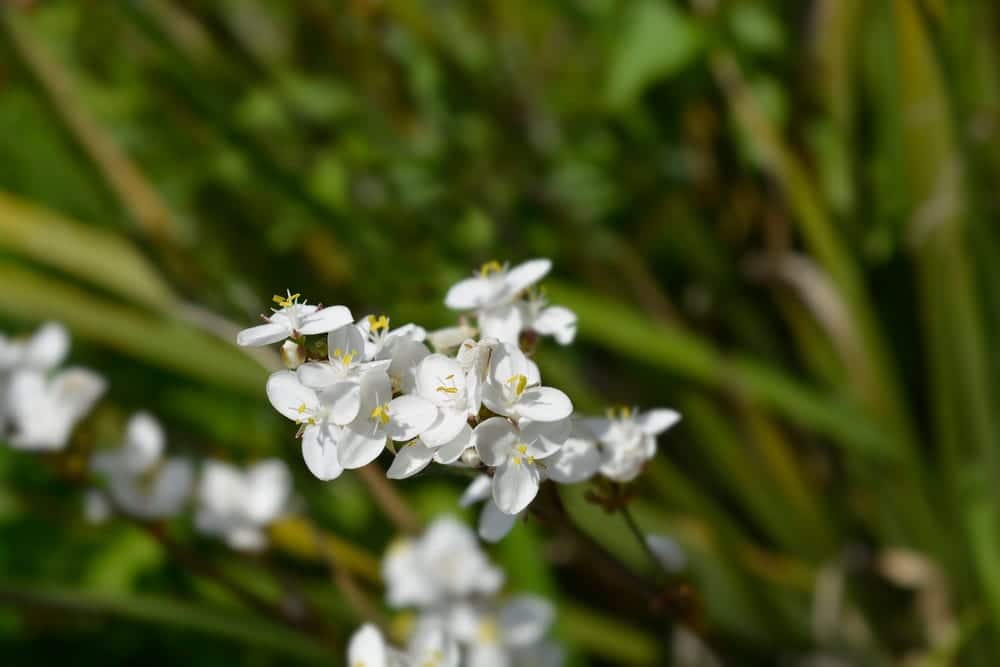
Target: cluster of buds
(474,401)
(461,616)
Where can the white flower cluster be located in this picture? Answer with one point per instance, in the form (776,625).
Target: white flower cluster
(233,504)
(454,587)
(40,405)
(473,403)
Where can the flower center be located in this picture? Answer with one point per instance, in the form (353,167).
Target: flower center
(489,267)
(522,455)
(344,357)
(286,301)
(380,413)
(518,383)
(378,323)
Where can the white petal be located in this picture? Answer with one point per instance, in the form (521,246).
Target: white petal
(270,484)
(494,524)
(263,334)
(343,401)
(290,397)
(375,390)
(318,374)
(367,648)
(144,441)
(345,340)
(406,356)
(409,416)
(360,443)
(655,422)
(577,460)
(47,347)
(525,620)
(477,491)
(599,426)
(515,485)
(544,404)
(325,320)
(503,322)
(468,294)
(445,428)
(670,554)
(527,273)
(410,459)
(319,449)
(495,440)
(544,438)
(558,322)
(435,374)
(451,451)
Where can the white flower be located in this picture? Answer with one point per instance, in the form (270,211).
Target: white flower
(492,294)
(444,564)
(628,439)
(380,338)
(319,415)
(577,460)
(513,388)
(448,338)
(42,412)
(238,505)
(517,453)
(493,524)
(140,481)
(43,351)
(430,647)
(294,319)
(442,381)
(509,637)
(556,321)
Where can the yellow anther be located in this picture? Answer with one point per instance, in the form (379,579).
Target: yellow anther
(449,377)
(489,267)
(376,323)
(488,632)
(522,448)
(285,301)
(337,353)
(381,413)
(347,358)
(517,460)
(301,409)
(448,390)
(531,460)
(519,382)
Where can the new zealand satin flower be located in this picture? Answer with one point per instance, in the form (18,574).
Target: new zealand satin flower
(238,505)
(292,319)
(628,439)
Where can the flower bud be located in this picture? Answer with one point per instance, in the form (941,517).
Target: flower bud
(293,354)
(470,457)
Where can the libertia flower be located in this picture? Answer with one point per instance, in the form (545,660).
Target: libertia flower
(628,439)
(238,505)
(293,319)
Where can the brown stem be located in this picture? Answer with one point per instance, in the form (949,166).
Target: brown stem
(388,499)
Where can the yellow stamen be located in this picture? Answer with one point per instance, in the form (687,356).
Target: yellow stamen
(489,267)
(517,460)
(519,382)
(337,352)
(448,390)
(285,301)
(301,409)
(522,448)
(381,413)
(376,323)
(488,632)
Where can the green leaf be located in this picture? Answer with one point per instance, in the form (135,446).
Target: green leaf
(657,41)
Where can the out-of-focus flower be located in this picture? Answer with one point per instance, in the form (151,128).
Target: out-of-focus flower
(577,460)
(429,647)
(43,411)
(493,524)
(238,505)
(628,439)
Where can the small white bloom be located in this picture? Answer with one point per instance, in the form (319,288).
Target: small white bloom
(628,439)
(430,647)
(318,414)
(444,564)
(380,338)
(140,481)
(43,350)
(493,295)
(238,505)
(513,388)
(517,453)
(448,338)
(577,460)
(42,412)
(512,635)
(556,321)
(442,381)
(293,319)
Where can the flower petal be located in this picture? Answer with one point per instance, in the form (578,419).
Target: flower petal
(544,404)
(468,294)
(527,273)
(263,334)
(503,322)
(494,524)
(319,449)
(515,485)
(445,429)
(342,400)
(345,340)
(577,460)
(290,397)
(324,320)
(477,491)
(495,440)
(410,459)
(544,438)
(270,485)
(360,444)
(451,451)
(409,416)
(558,322)
(525,620)
(655,422)
(367,648)
(47,347)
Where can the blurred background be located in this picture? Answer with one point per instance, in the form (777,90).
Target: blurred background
(778,218)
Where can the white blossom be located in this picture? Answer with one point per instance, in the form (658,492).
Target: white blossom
(293,319)
(577,460)
(511,636)
(42,411)
(430,647)
(628,439)
(493,524)
(513,388)
(238,505)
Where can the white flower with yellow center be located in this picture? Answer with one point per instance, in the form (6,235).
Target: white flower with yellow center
(493,293)
(578,459)
(517,452)
(556,321)
(512,636)
(319,415)
(628,439)
(238,505)
(141,482)
(442,381)
(428,647)
(293,319)
(42,411)
(513,388)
